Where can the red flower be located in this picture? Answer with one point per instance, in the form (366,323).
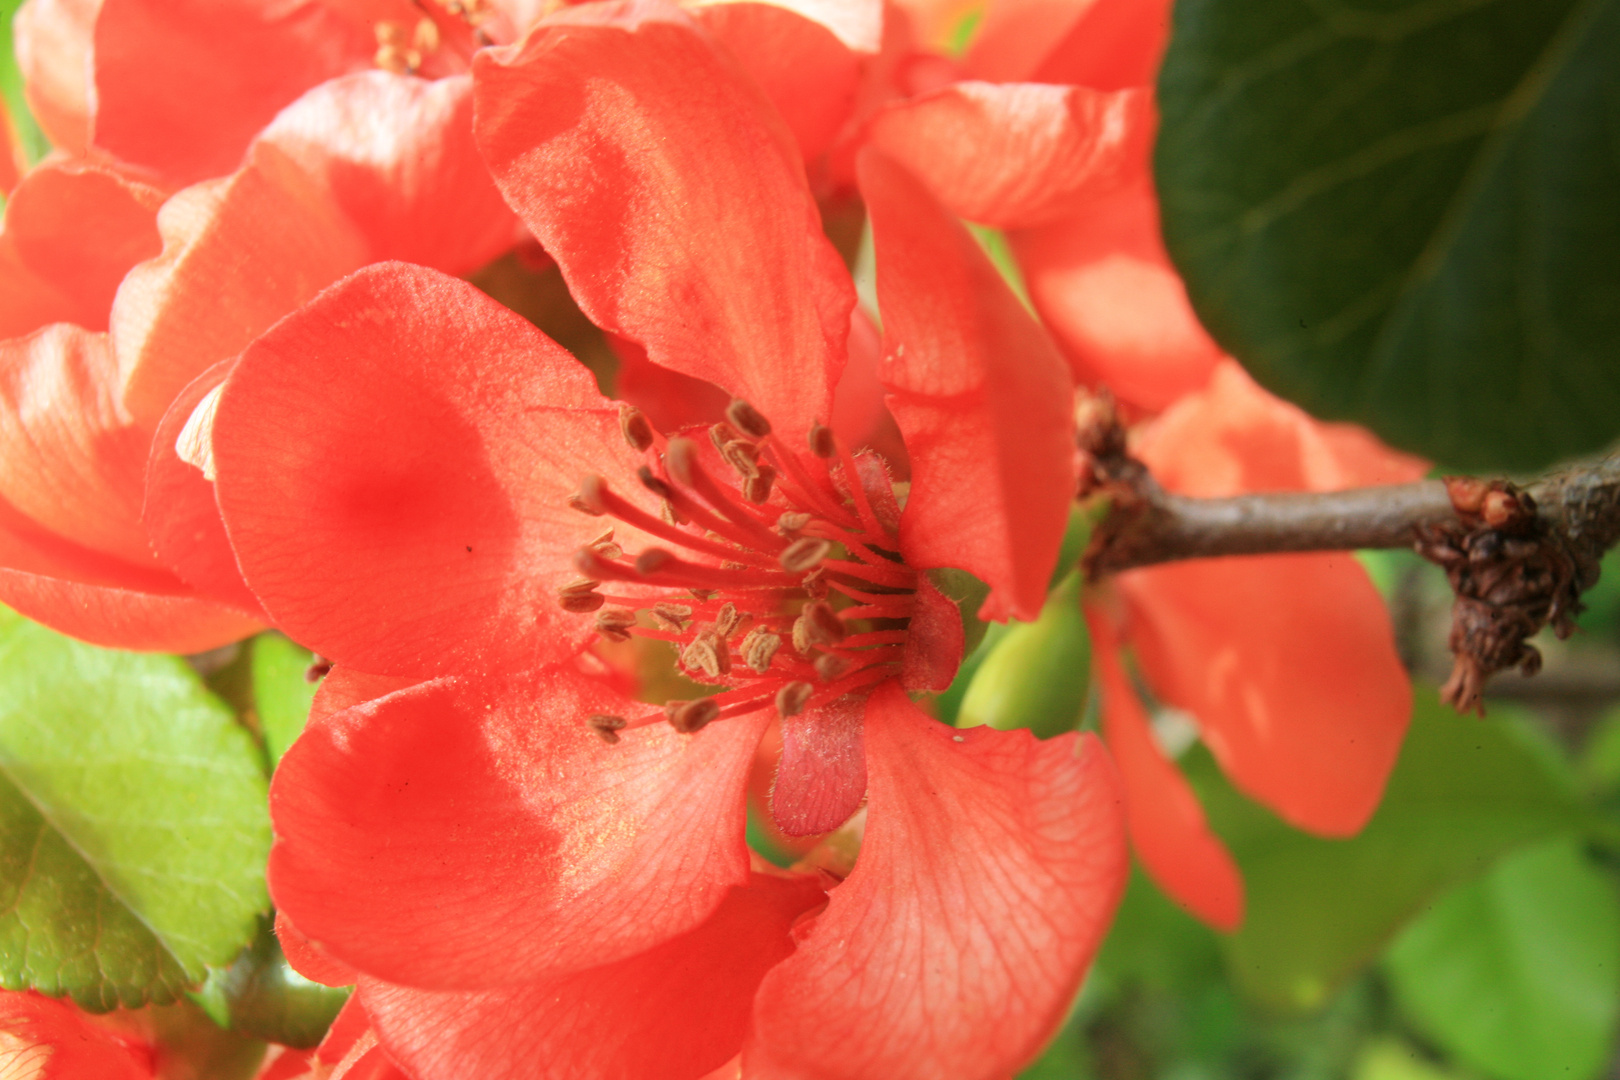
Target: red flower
(520,861)
(45,1039)
(1287,663)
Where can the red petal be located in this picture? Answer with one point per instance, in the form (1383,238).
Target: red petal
(674,1012)
(806,72)
(934,645)
(45,1039)
(1168,828)
(344,688)
(180,514)
(1235,437)
(346,519)
(1288,663)
(822,776)
(856,23)
(68,459)
(1105,287)
(1017,155)
(982,397)
(990,868)
(183,85)
(54,44)
(397,154)
(11,159)
(81,227)
(1105,44)
(27,301)
(309,959)
(473,834)
(238,254)
(673,198)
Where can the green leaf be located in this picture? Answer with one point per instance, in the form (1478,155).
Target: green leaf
(1518,973)
(136,827)
(1394,1059)
(1404,212)
(281,694)
(262,996)
(1037,675)
(1464,792)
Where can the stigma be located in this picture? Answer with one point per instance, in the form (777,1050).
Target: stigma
(773,572)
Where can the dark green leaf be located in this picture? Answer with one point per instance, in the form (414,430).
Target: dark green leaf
(136,825)
(1464,792)
(1518,972)
(1406,212)
(262,996)
(281,694)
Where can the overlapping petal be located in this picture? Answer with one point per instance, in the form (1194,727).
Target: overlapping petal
(1168,829)
(182,86)
(55,41)
(544,850)
(979,392)
(657,175)
(1104,44)
(411,516)
(675,1012)
(989,870)
(45,1039)
(1016,155)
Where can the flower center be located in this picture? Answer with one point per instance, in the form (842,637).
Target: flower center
(779,583)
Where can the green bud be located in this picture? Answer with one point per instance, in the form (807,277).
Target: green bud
(1038,674)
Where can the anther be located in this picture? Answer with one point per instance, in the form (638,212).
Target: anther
(652,560)
(653,484)
(747,419)
(791,522)
(580,596)
(689,716)
(673,615)
(614,623)
(669,515)
(830,666)
(589,499)
(743,456)
(720,434)
(757,488)
(815,583)
(804,554)
(605,547)
(791,699)
(680,458)
(635,427)
(707,653)
(821,441)
(826,627)
(726,623)
(758,648)
(608,727)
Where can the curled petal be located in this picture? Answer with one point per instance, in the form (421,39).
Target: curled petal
(1288,664)
(309,959)
(676,1011)
(183,85)
(421,485)
(1104,286)
(180,514)
(1105,44)
(989,870)
(1016,155)
(982,397)
(1168,828)
(673,198)
(397,155)
(469,834)
(55,40)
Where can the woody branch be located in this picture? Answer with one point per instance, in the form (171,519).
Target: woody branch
(1518,558)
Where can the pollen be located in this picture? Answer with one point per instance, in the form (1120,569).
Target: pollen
(767,569)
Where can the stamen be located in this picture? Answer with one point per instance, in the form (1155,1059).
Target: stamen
(614,623)
(707,653)
(580,596)
(637,430)
(720,434)
(743,456)
(608,727)
(653,484)
(821,441)
(830,666)
(757,488)
(758,648)
(791,522)
(689,716)
(791,699)
(680,458)
(727,621)
(747,419)
(804,554)
(818,624)
(674,615)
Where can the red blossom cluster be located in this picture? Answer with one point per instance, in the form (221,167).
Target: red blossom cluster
(244,384)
